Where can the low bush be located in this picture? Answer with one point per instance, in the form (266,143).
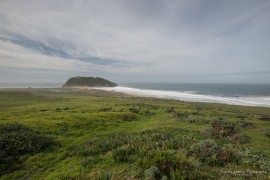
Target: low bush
(255,159)
(128,117)
(159,139)
(134,110)
(264,117)
(58,109)
(244,124)
(152,173)
(168,164)
(181,115)
(123,154)
(105,109)
(17,140)
(242,138)
(223,129)
(66,108)
(267,134)
(210,153)
(197,120)
(170,110)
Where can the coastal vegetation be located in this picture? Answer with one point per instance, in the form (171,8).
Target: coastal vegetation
(93,134)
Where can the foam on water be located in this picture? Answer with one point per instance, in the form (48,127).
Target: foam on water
(262,101)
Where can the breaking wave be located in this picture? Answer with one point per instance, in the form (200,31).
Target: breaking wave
(262,101)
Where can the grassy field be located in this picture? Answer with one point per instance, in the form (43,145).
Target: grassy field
(91,134)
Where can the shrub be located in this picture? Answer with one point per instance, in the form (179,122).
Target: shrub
(267,134)
(123,154)
(159,139)
(17,140)
(173,165)
(105,109)
(147,113)
(265,117)
(228,154)
(152,173)
(134,110)
(197,120)
(181,115)
(223,129)
(243,138)
(209,152)
(128,117)
(58,109)
(244,124)
(260,160)
(206,151)
(105,176)
(170,110)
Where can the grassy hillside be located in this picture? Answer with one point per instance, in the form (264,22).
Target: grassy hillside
(83,134)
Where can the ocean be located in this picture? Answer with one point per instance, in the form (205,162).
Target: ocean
(235,94)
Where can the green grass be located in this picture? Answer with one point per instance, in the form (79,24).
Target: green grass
(97,135)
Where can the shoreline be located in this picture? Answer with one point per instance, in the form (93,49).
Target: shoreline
(251,101)
(164,95)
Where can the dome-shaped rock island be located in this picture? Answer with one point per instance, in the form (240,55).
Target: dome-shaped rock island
(88,82)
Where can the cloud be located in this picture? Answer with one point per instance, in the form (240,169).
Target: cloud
(124,38)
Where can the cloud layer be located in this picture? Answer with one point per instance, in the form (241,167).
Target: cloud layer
(144,40)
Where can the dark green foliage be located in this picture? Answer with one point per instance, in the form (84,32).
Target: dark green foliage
(149,148)
(146,106)
(209,152)
(152,173)
(197,120)
(128,117)
(206,151)
(170,110)
(223,128)
(105,176)
(264,117)
(171,138)
(58,109)
(106,109)
(243,138)
(134,110)
(66,108)
(123,154)
(17,140)
(147,113)
(267,134)
(259,160)
(168,163)
(181,115)
(244,124)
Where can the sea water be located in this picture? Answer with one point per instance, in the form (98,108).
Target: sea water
(236,94)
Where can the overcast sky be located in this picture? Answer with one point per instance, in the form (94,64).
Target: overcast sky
(224,41)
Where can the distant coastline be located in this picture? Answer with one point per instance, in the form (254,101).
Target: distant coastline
(187,94)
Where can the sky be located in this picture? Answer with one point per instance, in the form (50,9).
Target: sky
(185,41)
